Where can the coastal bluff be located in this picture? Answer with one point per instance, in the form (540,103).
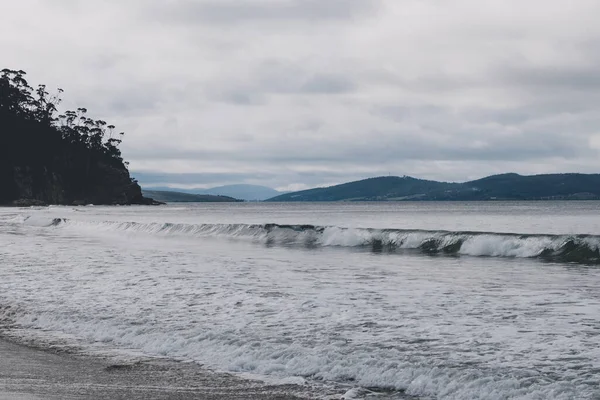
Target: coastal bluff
(66,159)
(38,185)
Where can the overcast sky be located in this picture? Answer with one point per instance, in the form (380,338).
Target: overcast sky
(301,93)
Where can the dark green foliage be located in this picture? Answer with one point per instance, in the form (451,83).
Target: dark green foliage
(538,187)
(373,189)
(497,187)
(56,158)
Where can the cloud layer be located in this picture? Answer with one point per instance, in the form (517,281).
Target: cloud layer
(300,93)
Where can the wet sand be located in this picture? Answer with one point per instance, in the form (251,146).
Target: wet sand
(28,373)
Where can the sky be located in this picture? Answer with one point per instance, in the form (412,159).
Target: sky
(294,94)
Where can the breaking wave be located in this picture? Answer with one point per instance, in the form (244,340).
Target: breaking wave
(583,249)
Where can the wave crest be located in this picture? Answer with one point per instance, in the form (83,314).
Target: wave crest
(583,249)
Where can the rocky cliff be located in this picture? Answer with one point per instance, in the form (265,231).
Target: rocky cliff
(43,185)
(47,158)
(40,185)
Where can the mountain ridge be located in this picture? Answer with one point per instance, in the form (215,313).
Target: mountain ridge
(509,186)
(237,191)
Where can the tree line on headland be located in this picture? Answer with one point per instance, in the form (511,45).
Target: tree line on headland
(67,158)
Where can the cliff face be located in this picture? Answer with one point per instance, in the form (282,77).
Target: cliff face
(43,186)
(107,184)
(47,158)
(113,186)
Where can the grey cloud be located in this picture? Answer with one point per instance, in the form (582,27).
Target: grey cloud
(406,112)
(553,78)
(327,84)
(441,82)
(279,78)
(129,105)
(480,144)
(234,12)
(241,97)
(308,92)
(584,78)
(128,100)
(149,179)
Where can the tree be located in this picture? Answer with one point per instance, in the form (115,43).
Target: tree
(36,138)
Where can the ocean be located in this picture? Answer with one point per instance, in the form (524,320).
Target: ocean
(482,300)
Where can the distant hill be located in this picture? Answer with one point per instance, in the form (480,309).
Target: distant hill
(538,187)
(496,187)
(178,197)
(382,188)
(242,191)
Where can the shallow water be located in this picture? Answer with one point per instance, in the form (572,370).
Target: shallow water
(408,297)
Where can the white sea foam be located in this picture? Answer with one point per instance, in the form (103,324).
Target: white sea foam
(437,327)
(572,248)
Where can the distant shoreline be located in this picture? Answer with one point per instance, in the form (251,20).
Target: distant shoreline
(9,205)
(25,203)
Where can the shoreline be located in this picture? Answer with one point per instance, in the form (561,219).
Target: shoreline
(30,373)
(150,202)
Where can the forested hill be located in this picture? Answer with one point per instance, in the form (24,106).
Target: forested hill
(169,196)
(47,158)
(496,187)
(382,188)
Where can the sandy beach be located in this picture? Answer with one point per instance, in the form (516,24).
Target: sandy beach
(28,373)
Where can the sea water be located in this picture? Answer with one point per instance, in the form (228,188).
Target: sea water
(425,300)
